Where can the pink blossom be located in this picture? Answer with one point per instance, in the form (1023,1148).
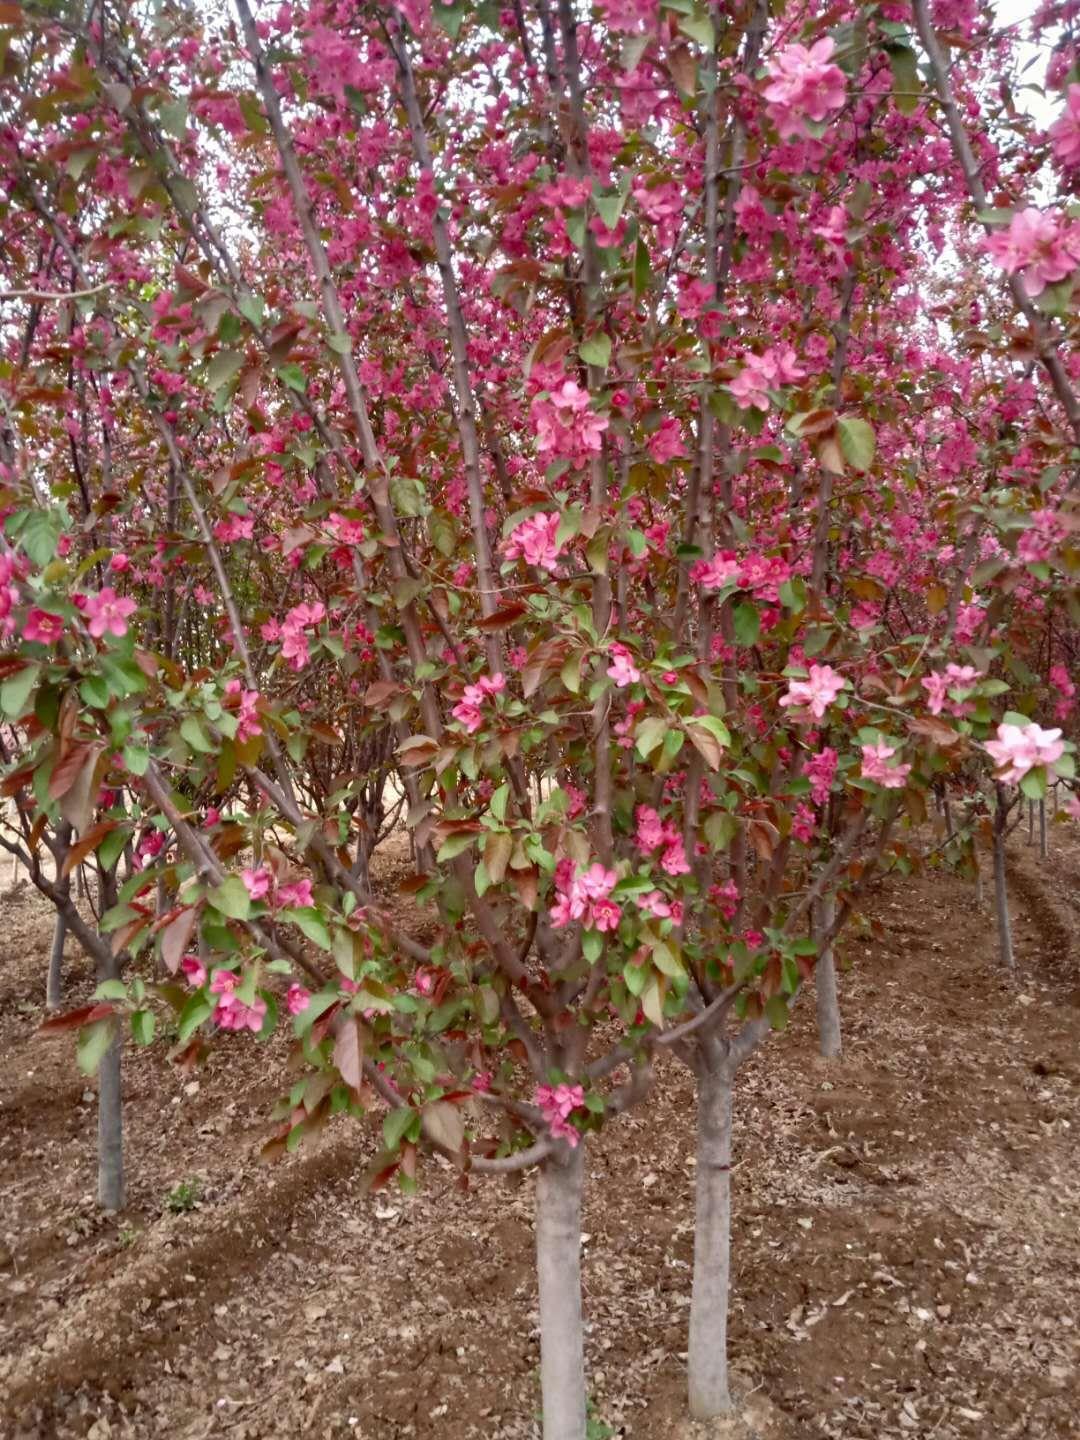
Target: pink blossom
(667,442)
(721,570)
(622,668)
(936,687)
(469,709)
(803,824)
(817,692)
(295,895)
(297,1000)
(874,767)
(257,883)
(1065,131)
(107,612)
(119,563)
(1020,748)
(762,373)
(557,1103)
(673,860)
(820,769)
(534,541)
(193,970)
(650,832)
(42,627)
(585,897)
(566,425)
(804,85)
(655,903)
(1039,244)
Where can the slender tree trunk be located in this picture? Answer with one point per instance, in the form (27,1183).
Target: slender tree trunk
(558,1265)
(110,1092)
(1031,822)
(828,1006)
(54,982)
(1001,894)
(707,1359)
(1042,830)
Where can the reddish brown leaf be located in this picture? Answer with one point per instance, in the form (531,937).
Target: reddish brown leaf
(175,938)
(349,1051)
(503,618)
(379,692)
(72,1019)
(66,771)
(77,801)
(90,841)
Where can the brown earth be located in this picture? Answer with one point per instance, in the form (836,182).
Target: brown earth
(905,1232)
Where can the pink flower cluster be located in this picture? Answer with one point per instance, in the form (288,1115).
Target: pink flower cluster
(247,720)
(762,373)
(297,1000)
(470,708)
(584,897)
(820,769)
(557,1103)
(534,542)
(763,574)
(567,428)
(261,884)
(657,904)
(1038,243)
(230,1012)
(291,633)
(622,668)
(105,612)
(1059,679)
(804,85)
(817,692)
(1020,748)
(937,685)
(875,766)
(656,834)
(1065,131)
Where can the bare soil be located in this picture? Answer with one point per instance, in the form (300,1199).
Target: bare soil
(905,1233)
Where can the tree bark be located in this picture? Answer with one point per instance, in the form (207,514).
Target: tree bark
(111,1128)
(707,1359)
(1042,829)
(558,1265)
(828,1006)
(1001,894)
(54,982)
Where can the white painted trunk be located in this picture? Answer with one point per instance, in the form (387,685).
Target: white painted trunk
(828,1005)
(707,1360)
(558,1265)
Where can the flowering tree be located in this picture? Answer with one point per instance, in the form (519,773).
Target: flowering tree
(554,420)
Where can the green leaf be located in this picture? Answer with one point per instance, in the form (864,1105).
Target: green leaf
(293,376)
(195,735)
(856,441)
(222,368)
(95,691)
(747,623)
(15,691)
(92,1044)
(454,845)
(198,1009)
(142,1026)
(699,28)
(596,350)
(112,847)
(448,18)
(777,1012)
(395,1124)
(308,920)
(136,759)
(111,990)
(231,898)
(642,269)
(906,84)
(1033,785)
(499,801)
(650,733)
(340,344)
(39,535)
(253,309)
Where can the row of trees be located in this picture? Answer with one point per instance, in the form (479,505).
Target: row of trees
(635,448)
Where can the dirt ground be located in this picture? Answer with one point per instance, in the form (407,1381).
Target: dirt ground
(905,1230)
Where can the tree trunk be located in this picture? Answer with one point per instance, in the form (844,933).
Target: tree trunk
(558,1265)
(707,1359)
(111,1128)
(54,982)
(828,1006)
(1001,894)
(1042,829)
(110,1093)
(1031,822)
